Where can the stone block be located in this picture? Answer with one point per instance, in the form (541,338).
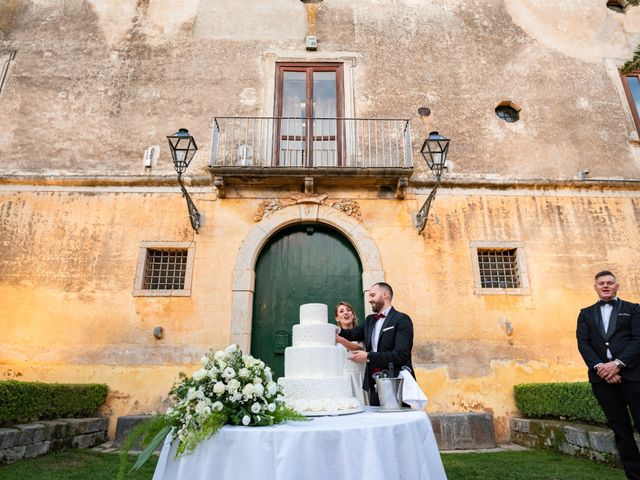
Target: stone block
(37,432)
(125,425)
(59,444)
(519,424)
(456,431)
(576,436)
(10,455)
(37,449)
(75,426)
(54,428)
(8,437)
(602,441)
(82,441)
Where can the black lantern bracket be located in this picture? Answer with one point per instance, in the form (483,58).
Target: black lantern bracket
(434,150)
(183,147)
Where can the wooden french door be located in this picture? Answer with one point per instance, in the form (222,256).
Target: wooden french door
(309,102)
(307,263)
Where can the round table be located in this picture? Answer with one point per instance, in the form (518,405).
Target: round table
(370,445)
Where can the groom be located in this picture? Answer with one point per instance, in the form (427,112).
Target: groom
(387,337)
(608,335)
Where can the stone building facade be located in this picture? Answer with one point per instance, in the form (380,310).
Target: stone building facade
(88,194)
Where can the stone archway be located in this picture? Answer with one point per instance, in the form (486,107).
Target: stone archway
(244,275)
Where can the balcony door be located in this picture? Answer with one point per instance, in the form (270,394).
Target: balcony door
(309,102)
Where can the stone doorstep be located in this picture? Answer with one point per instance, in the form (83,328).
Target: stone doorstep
(576,439)
(124,426)
(463,431)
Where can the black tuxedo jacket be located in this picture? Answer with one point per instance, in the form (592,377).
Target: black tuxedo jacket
(394,343)
(622,338)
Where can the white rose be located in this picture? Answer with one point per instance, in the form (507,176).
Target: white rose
(271,407)
(228,373)
(246,419)
(219,355)
(202,409)
(257,380)
(272,388)
(259,389)
(191,393)
(243,372)
(222,365)
(218,388)
(199,374)
(249,361)
(231,348)
(204,361)
(248,389)
(255,408)
(217,406)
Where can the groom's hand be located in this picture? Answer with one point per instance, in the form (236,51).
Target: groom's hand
(608,371)
(359,356)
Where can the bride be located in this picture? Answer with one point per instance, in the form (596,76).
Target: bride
(346,319)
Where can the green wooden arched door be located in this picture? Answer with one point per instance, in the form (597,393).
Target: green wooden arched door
(301,264)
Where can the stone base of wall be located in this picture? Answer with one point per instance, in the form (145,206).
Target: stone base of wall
(463,431)
(34,439)
(577,439)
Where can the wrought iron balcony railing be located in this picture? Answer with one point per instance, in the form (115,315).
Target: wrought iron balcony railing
(305,143)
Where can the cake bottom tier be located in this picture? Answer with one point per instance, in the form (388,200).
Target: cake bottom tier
(319,394)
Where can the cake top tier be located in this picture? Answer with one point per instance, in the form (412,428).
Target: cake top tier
(313,313)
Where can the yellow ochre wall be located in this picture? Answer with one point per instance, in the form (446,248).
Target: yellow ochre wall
(69,262)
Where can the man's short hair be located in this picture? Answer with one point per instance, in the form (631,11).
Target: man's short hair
(386,287)
(605,273)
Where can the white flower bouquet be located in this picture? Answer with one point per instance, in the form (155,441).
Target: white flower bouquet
(229,388)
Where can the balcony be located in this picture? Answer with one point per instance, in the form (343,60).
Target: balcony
(284,150)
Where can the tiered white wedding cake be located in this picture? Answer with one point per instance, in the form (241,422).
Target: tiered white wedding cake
(314,382)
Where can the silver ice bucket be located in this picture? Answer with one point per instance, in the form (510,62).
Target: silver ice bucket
(389,391)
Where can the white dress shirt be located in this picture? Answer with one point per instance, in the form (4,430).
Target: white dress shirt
(376,329)
(605,311)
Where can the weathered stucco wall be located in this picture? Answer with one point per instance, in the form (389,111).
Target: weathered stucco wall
(95,83)
(70,256)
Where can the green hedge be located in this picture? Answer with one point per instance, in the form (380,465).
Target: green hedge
(22,402)
(566,401)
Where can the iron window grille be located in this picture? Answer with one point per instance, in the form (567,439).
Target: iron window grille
(507,113)
(165,269)
(499,268)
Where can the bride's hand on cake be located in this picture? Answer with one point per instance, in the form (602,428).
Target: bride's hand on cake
(359,356)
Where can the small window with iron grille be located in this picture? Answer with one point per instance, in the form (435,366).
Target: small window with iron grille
(499,267)
(164,269)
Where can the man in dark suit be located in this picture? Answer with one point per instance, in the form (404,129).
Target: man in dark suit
(387,337)
(609,341)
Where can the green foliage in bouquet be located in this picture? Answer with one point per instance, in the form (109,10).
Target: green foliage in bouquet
(229,388)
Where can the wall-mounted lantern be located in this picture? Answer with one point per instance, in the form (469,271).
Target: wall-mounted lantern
(183,148)
(434,150)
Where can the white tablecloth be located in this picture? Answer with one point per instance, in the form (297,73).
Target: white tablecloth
(369,445)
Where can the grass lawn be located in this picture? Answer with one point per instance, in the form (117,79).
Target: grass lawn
(73,465)
(528,465)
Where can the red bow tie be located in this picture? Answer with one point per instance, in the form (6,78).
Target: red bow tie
(379,316)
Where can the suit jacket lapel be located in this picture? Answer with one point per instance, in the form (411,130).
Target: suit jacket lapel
(613,320)
(369,325)
(387,322)
(597,315)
